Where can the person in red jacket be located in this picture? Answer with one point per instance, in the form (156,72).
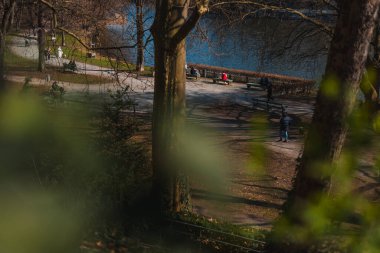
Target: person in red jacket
(224,76)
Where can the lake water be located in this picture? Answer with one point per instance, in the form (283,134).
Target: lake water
(288,47)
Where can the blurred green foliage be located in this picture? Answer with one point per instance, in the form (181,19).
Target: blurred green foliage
(344,217)
(62,169)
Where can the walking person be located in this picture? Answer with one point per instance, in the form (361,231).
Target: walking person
(48,53)
(60,52)
(285,122)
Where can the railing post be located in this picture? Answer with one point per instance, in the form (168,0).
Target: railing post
(200,240)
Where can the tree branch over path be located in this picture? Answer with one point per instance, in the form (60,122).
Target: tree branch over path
(76,37)
(327,29)
(8,12)
(201,9)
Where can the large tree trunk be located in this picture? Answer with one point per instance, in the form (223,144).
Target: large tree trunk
(323,144)
(140,36)
(169,30)
(170,184)
(41,38)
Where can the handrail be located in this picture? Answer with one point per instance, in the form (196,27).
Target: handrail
(215,230)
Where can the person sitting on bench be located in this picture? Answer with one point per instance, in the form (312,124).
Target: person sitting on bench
(193,71)
(224,76)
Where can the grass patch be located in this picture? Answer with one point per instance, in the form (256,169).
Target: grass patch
(244,231)
(74,50)
(20,66)
(221,235)
(13,61)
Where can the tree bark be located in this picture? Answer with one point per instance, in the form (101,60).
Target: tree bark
(41,38)
(370,88)
(6,20)
(140,36)
(63,40)
(323,144)
(2,67)
(170,27)
(170,184)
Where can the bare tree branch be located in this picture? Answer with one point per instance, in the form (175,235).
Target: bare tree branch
(316,22)
(200,10)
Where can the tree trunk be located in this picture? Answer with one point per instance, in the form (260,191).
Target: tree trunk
(63,41)
(41,39)
(370,86)
(323,144)
(170,184)
(140,36)
(7,19)
(2,67)
(19,17)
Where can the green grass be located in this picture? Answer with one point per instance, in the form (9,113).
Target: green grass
(220,225)
(20,66)
(74,50)
(215,231)
(13,61)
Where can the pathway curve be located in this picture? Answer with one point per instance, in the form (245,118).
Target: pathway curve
(230,125)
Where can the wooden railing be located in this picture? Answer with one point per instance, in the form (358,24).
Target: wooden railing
(281,84)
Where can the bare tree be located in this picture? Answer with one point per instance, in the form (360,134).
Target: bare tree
(323,145)
(140,35)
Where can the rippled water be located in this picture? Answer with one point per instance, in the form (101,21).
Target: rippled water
(288,47)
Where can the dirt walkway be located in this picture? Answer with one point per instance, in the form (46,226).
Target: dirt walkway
(31,52)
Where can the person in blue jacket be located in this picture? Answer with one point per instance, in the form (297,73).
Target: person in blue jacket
(285,122)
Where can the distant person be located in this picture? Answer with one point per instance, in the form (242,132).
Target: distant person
(197,73)
(284,127)
(53,39)
(34,30)
(48,53)
(224,76)
(193,71)
(27,43)
(269,90)
(264,82)
(60,52)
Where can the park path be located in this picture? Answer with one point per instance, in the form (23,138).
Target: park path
(31,52)
(225,118)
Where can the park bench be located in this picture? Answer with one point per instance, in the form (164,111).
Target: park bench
(192,77)
(256,85)
(91,55)
(70,67)
(219,80)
